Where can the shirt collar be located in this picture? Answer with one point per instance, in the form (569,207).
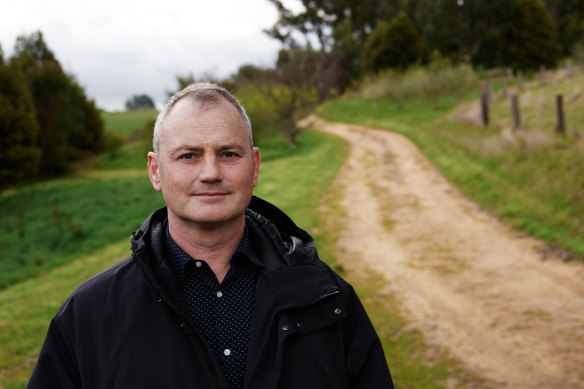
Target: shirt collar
(177,258)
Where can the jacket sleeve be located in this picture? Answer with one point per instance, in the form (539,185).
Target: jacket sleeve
(56,366)
(365,361)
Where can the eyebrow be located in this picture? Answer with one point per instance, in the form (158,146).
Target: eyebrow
(186,147)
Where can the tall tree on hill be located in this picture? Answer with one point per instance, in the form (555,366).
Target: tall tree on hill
(396,44)
(48,86)
(69,123)
(569,18)
(531,40)
(18,127)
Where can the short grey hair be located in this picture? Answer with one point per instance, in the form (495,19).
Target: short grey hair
(206,95)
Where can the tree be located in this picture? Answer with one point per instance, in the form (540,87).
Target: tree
(138,102)
(569,16)
(396,44)
(531,41)
(347,48)
(68,122)
(18,127)
(277,98)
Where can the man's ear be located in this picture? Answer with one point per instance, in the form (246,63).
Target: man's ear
(154,171)
(256,165)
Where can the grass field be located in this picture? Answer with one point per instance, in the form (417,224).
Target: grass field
(532,178)
(126,122)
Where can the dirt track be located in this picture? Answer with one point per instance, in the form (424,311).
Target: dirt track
(468,282)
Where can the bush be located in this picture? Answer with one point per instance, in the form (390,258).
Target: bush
(112,143)
(395,45)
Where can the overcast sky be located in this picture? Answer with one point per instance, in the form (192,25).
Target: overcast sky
(118,48)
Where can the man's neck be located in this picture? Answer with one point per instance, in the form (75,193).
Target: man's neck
(215,244)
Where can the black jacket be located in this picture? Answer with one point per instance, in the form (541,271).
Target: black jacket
(126,327)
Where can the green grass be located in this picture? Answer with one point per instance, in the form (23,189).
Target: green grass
(49,225)
(125,123)
(536,189)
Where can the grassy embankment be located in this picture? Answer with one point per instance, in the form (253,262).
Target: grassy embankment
(60,232)
(531,178)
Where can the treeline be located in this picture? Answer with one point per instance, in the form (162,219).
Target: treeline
(46,120)
(370,35)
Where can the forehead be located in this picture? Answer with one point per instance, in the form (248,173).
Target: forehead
(190,118)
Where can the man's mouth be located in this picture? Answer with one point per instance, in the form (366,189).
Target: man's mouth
(211,194)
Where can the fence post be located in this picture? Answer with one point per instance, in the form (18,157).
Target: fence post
(485,103)
(542,74)
(515,112)
(570,68)
(561,125)
(504,85)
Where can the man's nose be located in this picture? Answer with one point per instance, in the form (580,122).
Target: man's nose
(210,171)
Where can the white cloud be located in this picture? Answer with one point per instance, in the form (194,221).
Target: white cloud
(117,48)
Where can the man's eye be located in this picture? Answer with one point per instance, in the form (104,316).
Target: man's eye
(229,154)
(188,156)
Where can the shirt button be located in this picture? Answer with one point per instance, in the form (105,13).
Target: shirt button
(198,264)
(219,294)
(227,352)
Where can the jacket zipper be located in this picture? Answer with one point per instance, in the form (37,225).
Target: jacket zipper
(184,321)
(255,373)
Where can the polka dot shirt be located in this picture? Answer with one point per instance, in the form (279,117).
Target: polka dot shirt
(221,311)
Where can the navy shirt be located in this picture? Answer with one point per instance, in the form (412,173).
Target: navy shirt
(222,312)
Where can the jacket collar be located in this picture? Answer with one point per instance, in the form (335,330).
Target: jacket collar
(292,270)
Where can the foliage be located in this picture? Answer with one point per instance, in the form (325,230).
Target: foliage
(289,104)
(69,123)
(112,143)
(347,48)
(568,16)
(488,33)
(396,44)
(531,39)
(139,102)
(275,99)
(258,106)
(18,128)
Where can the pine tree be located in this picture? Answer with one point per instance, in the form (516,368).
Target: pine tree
(68,122)
(18,127)
(396,44)
(532,38)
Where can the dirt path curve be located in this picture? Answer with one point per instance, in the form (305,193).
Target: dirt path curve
(468,282)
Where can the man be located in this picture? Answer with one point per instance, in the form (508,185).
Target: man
(222,289)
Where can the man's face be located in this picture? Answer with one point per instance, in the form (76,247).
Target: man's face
(205,166)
